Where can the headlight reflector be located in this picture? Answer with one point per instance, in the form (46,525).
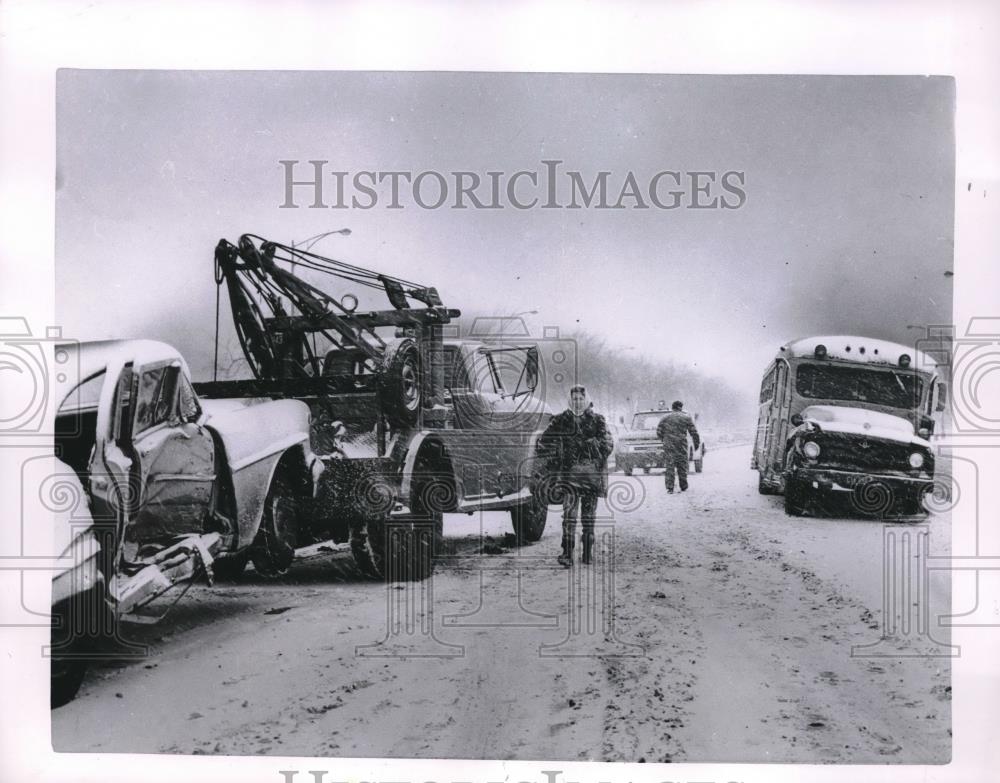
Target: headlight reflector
(916,460)
(811,449)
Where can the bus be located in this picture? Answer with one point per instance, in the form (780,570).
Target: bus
(848,414)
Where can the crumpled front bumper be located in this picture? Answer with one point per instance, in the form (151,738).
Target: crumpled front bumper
(833,480)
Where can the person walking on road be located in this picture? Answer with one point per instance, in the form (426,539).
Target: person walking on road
(673,431)
(577,443)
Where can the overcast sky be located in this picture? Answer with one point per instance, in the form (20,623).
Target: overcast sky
(847,225)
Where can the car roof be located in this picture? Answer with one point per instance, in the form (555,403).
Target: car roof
(84,360)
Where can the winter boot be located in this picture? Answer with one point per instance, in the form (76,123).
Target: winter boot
(566,558)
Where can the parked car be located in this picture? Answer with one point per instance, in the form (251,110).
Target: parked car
(174,488)
(636,444)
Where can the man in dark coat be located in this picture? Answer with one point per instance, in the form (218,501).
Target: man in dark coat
(577,445)
(673,431)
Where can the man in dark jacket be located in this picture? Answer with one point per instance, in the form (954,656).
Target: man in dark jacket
(673,431)
(577,445)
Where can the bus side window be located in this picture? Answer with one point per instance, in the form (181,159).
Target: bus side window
(783,383)
(767,386)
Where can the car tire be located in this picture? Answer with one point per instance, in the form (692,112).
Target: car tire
(528,519)
(274,549)
(645,470)
(697,466)
(795,498)
(71,653)
(67,677)
(913,505)
(231,567)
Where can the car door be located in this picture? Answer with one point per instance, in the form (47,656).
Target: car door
(516,416)
(475,443)
(175,456)
(112,482)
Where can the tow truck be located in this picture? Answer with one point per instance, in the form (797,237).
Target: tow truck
(409,423)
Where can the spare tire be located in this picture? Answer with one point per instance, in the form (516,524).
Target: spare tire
(400,383)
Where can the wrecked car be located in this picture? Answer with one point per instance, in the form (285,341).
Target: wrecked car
(173,488)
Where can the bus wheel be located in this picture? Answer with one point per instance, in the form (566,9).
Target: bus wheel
(795,498)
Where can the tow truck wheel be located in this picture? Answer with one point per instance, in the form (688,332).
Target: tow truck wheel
(402,547)
(274,549)
(400,383)
(528,519)
(429,500)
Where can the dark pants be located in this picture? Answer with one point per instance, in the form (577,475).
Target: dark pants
(586,501)
(676,460)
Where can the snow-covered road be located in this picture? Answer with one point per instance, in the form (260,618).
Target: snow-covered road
(730,639)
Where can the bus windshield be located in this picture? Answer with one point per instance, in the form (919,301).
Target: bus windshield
(895,389)
(647,421)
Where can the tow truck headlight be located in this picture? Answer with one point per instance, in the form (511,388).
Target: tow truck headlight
(811,449)
(916,460)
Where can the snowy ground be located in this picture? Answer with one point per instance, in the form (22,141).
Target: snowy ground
(733,627)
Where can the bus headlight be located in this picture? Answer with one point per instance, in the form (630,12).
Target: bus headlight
(811,449)
(916,460)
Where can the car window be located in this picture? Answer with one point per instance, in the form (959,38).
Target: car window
(187,400)
(647,421)
(153,406)
(83,396)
